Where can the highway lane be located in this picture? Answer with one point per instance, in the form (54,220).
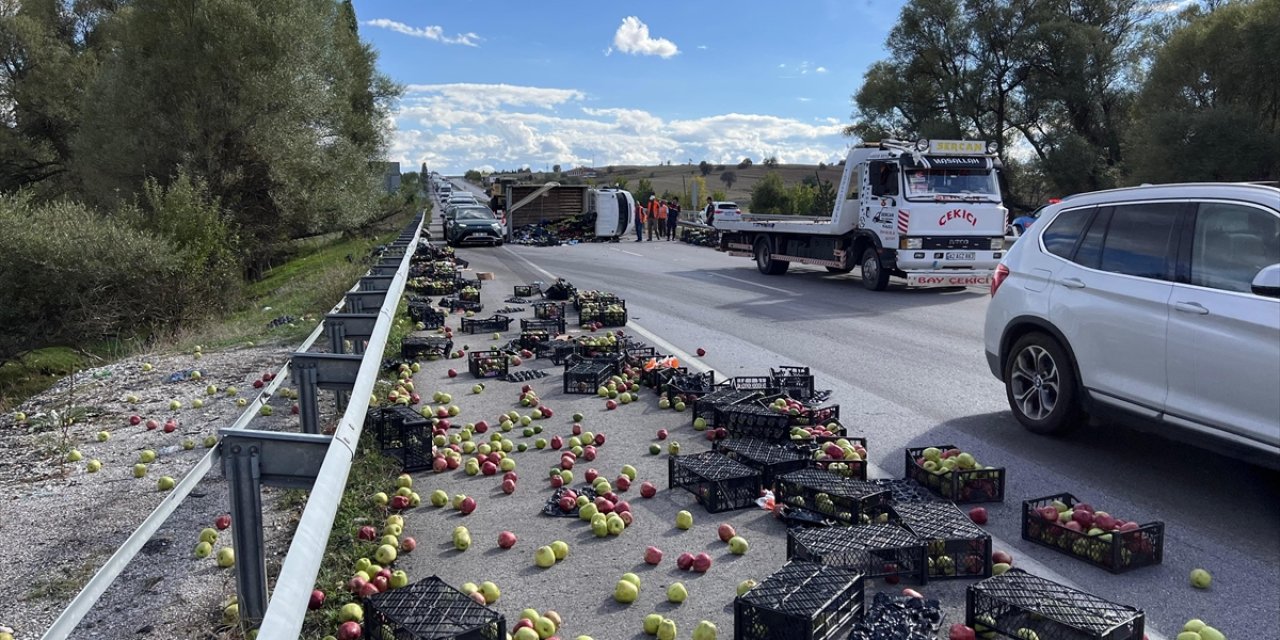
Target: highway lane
(907,368)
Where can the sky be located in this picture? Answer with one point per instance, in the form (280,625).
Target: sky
(502,85)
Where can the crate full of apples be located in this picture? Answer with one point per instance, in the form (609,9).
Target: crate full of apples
(801,414)
(954,474)
(1071,526)
(845,455)
(487,364)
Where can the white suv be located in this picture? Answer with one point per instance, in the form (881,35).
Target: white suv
(1161,301)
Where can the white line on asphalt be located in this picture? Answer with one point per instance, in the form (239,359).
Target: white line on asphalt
(629,253)
(1024,561)
(754,284)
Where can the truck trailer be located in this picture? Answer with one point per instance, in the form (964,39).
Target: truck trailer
(930,212)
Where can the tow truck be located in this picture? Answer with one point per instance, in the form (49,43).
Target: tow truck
(930,212)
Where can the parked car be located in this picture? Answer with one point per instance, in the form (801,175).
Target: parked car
(474,224)
(1158,301)
(722,210)
(1020,224)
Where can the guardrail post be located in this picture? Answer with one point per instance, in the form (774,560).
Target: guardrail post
(365,301)
(376,283)
(357,327)
(330,371)
(251,459)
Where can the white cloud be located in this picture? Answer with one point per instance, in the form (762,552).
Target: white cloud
(802,99)
(430,32)
(633,37)
(1173,6)
(703,47)
(455,127)
(820,70)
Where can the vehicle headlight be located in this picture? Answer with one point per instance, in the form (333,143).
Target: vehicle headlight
(922,145)
(911,243)
(997,243)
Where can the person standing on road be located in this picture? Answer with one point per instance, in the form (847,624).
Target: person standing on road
(673,218)
(641,214)
(709,213)
(657,216)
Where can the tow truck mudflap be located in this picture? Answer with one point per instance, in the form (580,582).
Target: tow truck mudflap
(949,278)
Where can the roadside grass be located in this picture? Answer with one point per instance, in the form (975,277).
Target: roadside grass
(63,584)
(305,288)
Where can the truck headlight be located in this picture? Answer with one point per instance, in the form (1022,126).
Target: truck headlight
(997,243)
(911,243)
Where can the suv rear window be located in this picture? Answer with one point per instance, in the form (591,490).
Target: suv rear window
(1061,236)
(727,205)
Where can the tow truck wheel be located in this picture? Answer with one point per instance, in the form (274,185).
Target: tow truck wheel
(874,276)
(1040,383)
(765,262)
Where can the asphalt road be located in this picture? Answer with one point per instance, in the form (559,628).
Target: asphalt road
(907,368)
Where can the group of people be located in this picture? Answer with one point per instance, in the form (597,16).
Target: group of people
(660,217)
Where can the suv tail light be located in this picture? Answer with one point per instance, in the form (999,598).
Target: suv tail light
(997,279)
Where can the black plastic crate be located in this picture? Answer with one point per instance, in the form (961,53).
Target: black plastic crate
(805,415)
(716,481)
(548,310)
(430,609)
(586,377)
(847,467)
(534,339)
(560,351)
(691,386)
(427,285)
(527,290)
(956,547)
(904,490)
(554,325)
(590,296)
(706,406)
(766,385)
(427,315)
(463,283)
(611,314)
(832,495)
(800,601)
(454,304)
(796,382)
(487,364)
(1115,551)
(773,459)
(637,355)
(753,421)
(1017,600)
(873,550)
(403,434)
(962,486)
(601,345)
(485,325)
(417,346)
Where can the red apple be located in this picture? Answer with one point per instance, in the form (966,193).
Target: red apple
(567,504)
(557,482)
(1085,518)
(489,468)
(626,516)
(508,486)
(1001,556)
(350,630)
(400,503)
(577,429)
(684,561)
(453,373)
(506,539)
(622,507)
(611,405)
(317,599)
(726,532)
(611,496)
(439,464)
(1106,522)
(978,515)
(912,593)
(653,555)
(701,352)
(355,584)
(662,434)
(368,589)
(960,632)
(589,453)
(648,490)
(152,424)
(622,483)
(1082,506)
(591,475)
(452,463)
(566,463)
(170,425)
(468,505)
(368,533)
(547,412)
(599,439)
(557,443)
(294,409)
(384,573)
(135,420)
(510,475)
(257,384)
(222,522)
(408,544)
(701,562)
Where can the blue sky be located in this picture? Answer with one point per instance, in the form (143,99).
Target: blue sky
(499,85)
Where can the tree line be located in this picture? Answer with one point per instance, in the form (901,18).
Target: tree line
(1083,95)
(155,154)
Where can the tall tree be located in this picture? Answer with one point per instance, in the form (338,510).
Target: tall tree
(275,106)
(728,178)
(1204,113)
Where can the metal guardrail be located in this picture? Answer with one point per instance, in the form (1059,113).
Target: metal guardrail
(97,585)
(297,577)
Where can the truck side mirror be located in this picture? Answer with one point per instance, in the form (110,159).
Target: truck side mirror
(1267,282)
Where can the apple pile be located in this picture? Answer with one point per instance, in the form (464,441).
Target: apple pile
(840,456)
(737,544)
(1196,629)
(801,413)
(811,432)
(535,626)
(1087,532)
(547,555)
(485,593)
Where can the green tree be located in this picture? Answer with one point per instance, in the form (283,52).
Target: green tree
(771,162)
(824,197)
(275,106)
(555,169)
(644,189)
(473,175)
(769,195)
(746,163)
(704,168)
(728,178)
(1203,114)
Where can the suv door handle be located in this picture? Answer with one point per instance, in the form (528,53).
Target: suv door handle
(1191,307)
(1072,283)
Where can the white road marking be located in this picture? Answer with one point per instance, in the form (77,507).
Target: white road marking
(1023,561)
(754,284)
(629,253)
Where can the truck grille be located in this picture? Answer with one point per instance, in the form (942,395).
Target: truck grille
(946,243)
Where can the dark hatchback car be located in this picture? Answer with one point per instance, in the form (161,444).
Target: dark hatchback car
(474,225)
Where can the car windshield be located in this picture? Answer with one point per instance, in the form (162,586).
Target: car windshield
(475,214)
(946,184)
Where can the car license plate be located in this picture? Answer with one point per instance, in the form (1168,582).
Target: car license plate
(962,255)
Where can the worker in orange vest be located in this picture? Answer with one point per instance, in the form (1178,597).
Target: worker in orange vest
(642,215)
(657,217)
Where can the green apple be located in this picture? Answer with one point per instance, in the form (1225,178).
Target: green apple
(211,389)
(651,623)
(588,511)
(674,448)
(188,444)
(578,417)
(625,592)
(19,417)
(93,467)
(615,524)
(203,549)
(241,402)
(490,592)
(632,578)
(700,424)
(600,525)
(561,549)
(469,588)
(544,557)
(1194,624)
(1200,578)
(461,539)
(139,470)
(146,367)
(74,456)
(265,410)
(103,436)
(399,579)
(210,442)
(745,586)
(655,449)
(667,630)
(380,499)
(704,631)
(174,405)
(226,557)
(629,471)
(1000,567)
(147,456)
(677,593)
(209,534)
(165,483)
(197,403)
(439,498)
(684,520)
(680,406)
(546,627)
(1209,633)
(351,612)
(738,545)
